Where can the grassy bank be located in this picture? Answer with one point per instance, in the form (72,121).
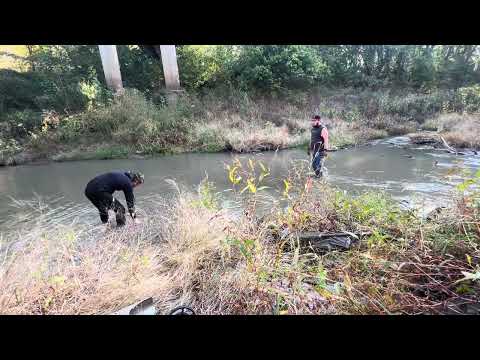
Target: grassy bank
(231,120)
(459,130)
(192,251)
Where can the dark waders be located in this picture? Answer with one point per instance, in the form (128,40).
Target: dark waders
(105,201)
(317,163)
(318,159)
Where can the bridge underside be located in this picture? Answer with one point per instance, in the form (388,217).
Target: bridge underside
(166,53)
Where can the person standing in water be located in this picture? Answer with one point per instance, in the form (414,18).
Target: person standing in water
(100,192)
(319,144)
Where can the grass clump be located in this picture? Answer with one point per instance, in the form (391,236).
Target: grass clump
(54,274)
(113,152)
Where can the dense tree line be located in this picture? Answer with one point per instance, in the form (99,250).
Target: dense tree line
(418,66)
(70,77)
(275,67)
(352,65)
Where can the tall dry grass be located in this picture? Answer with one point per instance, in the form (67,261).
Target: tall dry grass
(231,121)
(177,255)
(247,136)
(72,270)
(459,130)
(191,251)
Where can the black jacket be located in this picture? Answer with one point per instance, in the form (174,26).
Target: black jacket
(111,182)
(317,142)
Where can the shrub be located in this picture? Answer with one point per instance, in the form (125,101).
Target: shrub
(8,147)
(18,91)
(209,138)
(470,98)
(199,65)
(129,119)
(413,106)
(274,68)
(19,124)
(48,91)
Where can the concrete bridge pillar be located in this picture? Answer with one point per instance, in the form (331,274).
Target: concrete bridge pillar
(170,67)
(170,72)
(111,67)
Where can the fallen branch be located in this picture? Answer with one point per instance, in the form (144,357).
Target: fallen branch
(448,147)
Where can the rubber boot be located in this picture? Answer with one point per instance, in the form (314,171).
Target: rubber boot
(119,213)
(120,217)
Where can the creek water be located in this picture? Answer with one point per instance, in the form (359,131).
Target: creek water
(408,172)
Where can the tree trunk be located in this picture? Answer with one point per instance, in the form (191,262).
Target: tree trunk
(30,59)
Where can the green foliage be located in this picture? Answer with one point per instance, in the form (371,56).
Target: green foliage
(469,189)
(461,232)
(209,140)
(202,65)
(469,98)
(422,72)
(139,70)
(62,68)
(413,106)
(8,147)
(19,124)
(422,66)
(112,152)
(248,177)
(69,78)
(18,91)
(208,198)
(275,67)
(371,209)
(247,248)
(128,119)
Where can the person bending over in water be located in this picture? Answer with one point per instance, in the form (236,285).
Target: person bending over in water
(318,144)
(100,191)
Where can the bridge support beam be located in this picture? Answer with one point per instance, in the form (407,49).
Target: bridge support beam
(170,72)
(170,67)
(111,67)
